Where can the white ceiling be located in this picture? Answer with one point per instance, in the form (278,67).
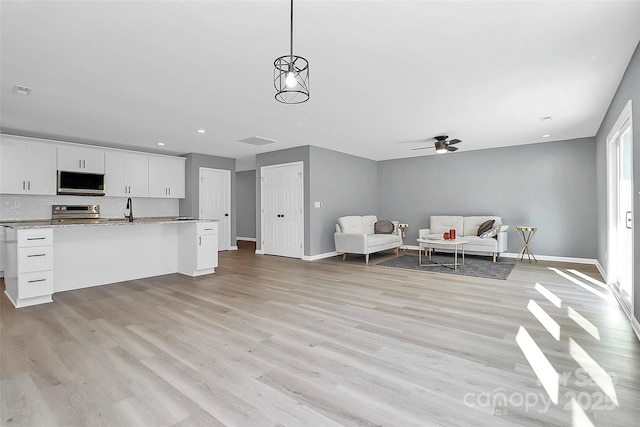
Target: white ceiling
(384,74)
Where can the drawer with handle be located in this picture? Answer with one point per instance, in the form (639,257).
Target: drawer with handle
(206,228)
(35,237)
(38,258)
(35,284)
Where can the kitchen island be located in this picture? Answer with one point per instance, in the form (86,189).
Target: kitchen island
(45,257)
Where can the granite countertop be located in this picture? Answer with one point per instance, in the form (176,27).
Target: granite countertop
(47,223)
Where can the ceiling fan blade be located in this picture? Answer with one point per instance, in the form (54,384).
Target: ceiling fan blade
(452,148)
(420,148)
(454,141)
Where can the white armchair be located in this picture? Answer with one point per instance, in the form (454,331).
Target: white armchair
(356,235)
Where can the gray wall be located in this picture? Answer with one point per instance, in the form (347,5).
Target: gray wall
(629,88)
(296,154)
(190,205)
(547,185)
(246,203)
(345,185)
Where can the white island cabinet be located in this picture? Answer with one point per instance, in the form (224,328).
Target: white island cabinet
(29,270)
(198,248)
(99,254)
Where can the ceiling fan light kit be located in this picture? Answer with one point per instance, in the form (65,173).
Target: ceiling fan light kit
(443,144)
(291,75)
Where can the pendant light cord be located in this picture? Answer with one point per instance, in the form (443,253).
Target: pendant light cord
(291,30)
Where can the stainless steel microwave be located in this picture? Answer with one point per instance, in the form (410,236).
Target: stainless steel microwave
(80,183)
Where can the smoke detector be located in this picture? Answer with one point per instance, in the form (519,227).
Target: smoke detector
(21,90)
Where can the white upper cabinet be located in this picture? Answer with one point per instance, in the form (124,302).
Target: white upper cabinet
(27,167)
(80,159)
(126,174)
(166,177)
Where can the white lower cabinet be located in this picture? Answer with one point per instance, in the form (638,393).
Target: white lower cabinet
(29,266)
(198,248)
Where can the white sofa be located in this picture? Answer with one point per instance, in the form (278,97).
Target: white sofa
(356,235)
(467,229)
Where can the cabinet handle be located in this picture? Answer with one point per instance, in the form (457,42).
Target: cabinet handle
(35,281)
(35,255)
(28,185)
(84,164)
(169,190)
(199,241)
(208,229)
(24,185)
(80,163)
(36,238)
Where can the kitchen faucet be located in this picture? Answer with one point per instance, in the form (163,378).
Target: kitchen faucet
(130,207)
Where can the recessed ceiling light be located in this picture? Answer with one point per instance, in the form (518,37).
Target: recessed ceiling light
(21,90)
(202,131)
(546,135)
(546,119)
(160,143)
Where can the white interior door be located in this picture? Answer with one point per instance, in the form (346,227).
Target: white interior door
(621,209)
(282,212)
(215,202)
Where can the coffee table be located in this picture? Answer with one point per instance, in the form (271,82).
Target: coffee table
(430,243)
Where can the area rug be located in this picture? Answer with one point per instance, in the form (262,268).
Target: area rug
(475,266)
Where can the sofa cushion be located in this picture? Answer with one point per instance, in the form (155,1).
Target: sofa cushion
(471,223)
(351,224)
(368,224)
(492,232)
(485,226)
(442,223)
(383,226)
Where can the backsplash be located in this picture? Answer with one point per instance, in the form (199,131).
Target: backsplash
(25,207)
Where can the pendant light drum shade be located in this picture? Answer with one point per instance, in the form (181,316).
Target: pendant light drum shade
(291,79)
(291,75)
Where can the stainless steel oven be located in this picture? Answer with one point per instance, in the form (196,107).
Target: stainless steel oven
(75,214)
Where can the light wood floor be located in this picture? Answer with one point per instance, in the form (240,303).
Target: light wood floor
(270,341)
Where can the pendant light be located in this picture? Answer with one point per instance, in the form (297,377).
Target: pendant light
(291,75)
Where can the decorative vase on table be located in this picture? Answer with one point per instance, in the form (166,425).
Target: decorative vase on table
(452,234)
(447,236)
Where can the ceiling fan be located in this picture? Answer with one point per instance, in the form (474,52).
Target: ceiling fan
(443,144)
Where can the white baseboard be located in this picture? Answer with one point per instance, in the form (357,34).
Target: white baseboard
(554,258)
(319,256)
(233,248)
(603,273)
(634,322)
(259,252)
(249,239)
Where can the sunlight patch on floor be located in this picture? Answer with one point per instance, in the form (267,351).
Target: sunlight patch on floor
(553,299)
(595,371)
(588,278)
(607,297)
(584,323)
(543,317)
(541,366)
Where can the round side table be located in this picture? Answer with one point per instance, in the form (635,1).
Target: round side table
(402,228)
(526,233)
